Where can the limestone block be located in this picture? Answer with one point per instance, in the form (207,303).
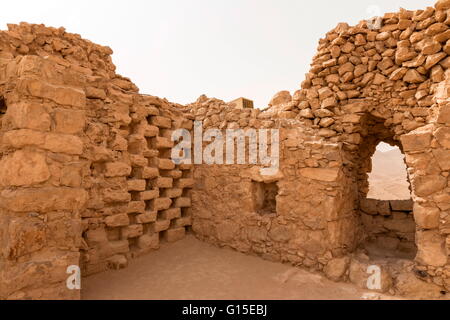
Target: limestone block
(24,236)
(426,185)
(321,174)
(408,285)
(63,143)
(117,169)
(151,131)
(443,137)
(426,217)
(136,185)
(165,164)
(69,121)
(23,168)
(136,207)
(116,196)
(149,195)
(416,141)
(25,115)
(147,241)
(163,143)
(170,214)
(132,231)
(23,137)
(43,199)
(59,94)
(185,183)
(147,217)
(173,235)
(161,204)
(150,173)
(401,205)
(173,193)
(183,202)
(120,246)
(163,182)
(161,225)
(431,249)
(442,157)
(336,268)
(161,122)
(117,220)
(444,115)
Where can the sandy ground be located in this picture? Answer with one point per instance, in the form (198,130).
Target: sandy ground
(193,270)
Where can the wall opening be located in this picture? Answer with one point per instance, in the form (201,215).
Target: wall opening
(387,211)
(265,197)
(389,178)
(2,109)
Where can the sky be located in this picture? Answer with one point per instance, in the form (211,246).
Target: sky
(180,49)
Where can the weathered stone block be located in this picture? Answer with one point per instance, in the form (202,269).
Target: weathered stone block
(185,183)
(23,137)
(161,204)
(132,231)
(150,173)
(29,116)
(149,195)
(136,207)
(170,214)
(117,220)
(161,225)
(183,202)
(426,185)
(59,94)
(63,143)
(442,157)
(147,241)
(443,137)
(431,249)
(165,164)
(321,174)
(161,122)
(147,217)
(120,246)
(163,182)
(173,235)
(117,169)
(444,114)
(401,205)
(426,217)
(163,143)
(69,121)
(136,185)
(25,236)
(416,141)
(173,193)
(23,168)
(43,199)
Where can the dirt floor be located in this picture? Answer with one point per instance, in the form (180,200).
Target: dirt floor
(193,270)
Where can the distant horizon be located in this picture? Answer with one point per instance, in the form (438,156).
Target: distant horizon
(179,49)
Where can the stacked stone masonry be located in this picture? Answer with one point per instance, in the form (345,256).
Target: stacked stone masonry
(87,179)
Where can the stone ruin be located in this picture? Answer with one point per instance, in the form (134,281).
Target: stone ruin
(87,179)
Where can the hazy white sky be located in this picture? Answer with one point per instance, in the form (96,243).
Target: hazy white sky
(180,49)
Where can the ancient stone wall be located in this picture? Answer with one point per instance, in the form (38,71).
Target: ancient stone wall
(381,81)
(85,174)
